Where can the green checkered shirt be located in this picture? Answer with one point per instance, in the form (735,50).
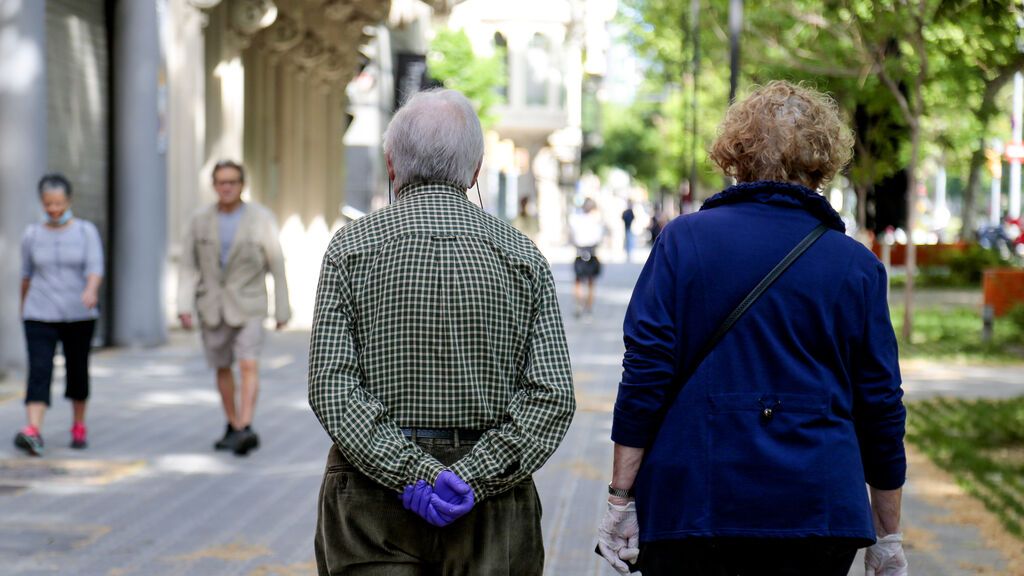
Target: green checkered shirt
(431,313)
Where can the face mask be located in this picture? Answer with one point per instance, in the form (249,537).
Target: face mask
(64,218)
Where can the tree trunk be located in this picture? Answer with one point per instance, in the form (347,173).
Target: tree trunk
(971,192)
(911,264)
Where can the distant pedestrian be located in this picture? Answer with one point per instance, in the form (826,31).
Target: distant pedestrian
(658,220)
(627,225)
(526,221)
(747,448)
(229,248)
(586,232)
(61,273)
(439,368)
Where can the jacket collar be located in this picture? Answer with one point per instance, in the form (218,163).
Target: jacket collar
(779,194)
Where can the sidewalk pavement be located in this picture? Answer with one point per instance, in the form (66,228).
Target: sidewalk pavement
(151,497)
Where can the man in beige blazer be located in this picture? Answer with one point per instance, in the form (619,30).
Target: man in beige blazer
(228,249)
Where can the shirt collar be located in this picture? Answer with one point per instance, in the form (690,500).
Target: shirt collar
(423,188)
(779,194)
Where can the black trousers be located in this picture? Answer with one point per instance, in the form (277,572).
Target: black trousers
(748,557)
(42,338)
(362,528)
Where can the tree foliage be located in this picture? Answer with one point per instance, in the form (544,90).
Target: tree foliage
(936,69)
(452,62)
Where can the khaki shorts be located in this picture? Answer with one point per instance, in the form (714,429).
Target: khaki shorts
(224,344)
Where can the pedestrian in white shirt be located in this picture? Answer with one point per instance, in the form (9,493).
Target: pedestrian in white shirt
(586,231)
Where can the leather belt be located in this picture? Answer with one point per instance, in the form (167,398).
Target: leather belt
(461,434)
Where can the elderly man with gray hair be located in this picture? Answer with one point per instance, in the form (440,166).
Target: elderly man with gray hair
(438,366)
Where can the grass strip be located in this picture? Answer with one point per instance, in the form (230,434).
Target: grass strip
(981,443)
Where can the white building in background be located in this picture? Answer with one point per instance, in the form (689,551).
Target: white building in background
(534,151)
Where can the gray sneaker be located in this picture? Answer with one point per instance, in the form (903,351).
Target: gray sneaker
(32,444)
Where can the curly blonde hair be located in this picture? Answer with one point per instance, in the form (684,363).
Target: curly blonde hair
(783,132)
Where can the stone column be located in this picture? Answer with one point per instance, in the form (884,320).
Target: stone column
(140,198)
(253,151)
(518,40)
(187,184)
(316,151)
(23,156)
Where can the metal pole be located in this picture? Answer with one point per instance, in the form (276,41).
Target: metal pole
(995,207)
(139,228)
(995,201)
(695,22)
(1018,131)
(735,27)
(684,120)
(940,214)
(23,157)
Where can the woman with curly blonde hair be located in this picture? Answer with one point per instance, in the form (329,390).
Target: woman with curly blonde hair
(744,448)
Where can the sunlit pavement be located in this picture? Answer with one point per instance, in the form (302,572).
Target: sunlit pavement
(150,496)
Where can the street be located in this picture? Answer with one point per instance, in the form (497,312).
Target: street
(150,496)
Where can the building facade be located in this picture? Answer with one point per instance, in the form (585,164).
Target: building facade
(136,100)
(533,155)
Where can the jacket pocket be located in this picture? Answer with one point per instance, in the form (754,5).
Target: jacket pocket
(768,456)
(249,253)
(207,254)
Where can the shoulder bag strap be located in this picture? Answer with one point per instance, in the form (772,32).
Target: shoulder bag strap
(754,294)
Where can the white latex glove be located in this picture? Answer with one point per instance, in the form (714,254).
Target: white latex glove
(618,536)
(885,557)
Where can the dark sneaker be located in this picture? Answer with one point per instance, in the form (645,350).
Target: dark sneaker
(32,444)
(247,440)
(78,437)
(228,441)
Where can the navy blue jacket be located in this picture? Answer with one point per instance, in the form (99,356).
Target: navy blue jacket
(817,348)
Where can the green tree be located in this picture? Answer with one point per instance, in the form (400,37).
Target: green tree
(659,31)
(629,141)
(452,62)
(976,55)
(934,58)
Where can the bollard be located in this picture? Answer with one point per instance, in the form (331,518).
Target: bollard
(988,316)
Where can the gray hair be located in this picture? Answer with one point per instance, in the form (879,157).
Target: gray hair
(435,137)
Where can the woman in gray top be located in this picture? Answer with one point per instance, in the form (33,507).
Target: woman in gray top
(62,268)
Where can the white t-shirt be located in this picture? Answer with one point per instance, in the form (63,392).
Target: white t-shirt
(586,229)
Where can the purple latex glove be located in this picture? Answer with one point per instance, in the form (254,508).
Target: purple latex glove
(452,498)
(417,498)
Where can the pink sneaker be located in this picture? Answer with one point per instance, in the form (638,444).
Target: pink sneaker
(78,436)
(29,440)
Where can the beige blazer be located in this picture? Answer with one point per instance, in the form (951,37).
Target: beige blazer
(238,292)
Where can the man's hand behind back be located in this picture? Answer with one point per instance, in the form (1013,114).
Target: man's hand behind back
(448,500)
(454,497)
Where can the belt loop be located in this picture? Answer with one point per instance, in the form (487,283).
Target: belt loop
(414,435)
(455,435)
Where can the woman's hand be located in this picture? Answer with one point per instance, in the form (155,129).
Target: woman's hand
(90,298)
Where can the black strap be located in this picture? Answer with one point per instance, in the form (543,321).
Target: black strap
(756,293)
